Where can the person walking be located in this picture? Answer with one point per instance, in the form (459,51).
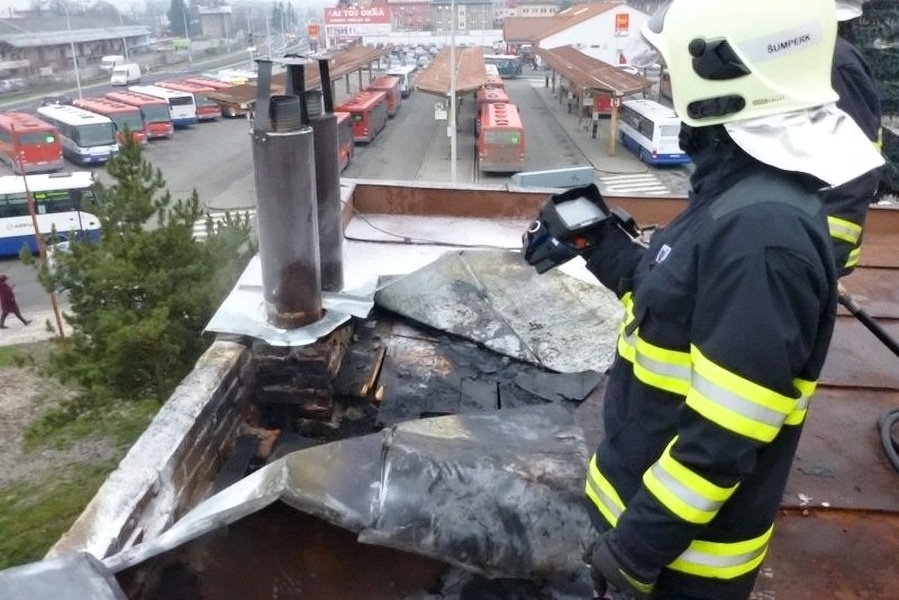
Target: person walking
(729,309)
(8,302)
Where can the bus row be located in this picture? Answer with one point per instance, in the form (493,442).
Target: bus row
(499,132)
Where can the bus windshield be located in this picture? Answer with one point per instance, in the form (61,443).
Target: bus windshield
(204,101)
(131,121)
(156,113)
(96,134)
(33,139)
(502,138)
(47,202)
(181,101)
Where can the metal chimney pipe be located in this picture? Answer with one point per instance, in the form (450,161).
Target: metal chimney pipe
(327,173)
(287,212)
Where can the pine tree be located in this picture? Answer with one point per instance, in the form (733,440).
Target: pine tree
(141,297)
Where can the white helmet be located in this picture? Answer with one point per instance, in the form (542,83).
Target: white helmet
(744,59)
(849,9)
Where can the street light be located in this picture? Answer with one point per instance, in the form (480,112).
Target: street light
(190,59)
(72,47)
(452,115)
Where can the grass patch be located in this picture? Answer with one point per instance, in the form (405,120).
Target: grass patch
(70,422)
(32,518)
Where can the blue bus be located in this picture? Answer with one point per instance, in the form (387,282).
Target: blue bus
(650,130)
(62,201)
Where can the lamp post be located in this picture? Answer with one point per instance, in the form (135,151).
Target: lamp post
(190,59)
(124,41)
(72,48)
(452,115)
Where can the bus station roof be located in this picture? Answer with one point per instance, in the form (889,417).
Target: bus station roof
(471,73)
(591,73)
(341,63)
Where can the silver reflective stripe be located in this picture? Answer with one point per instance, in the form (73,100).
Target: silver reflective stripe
(685,494)
(706,559)
(668,370)
(736,403)
(604,498)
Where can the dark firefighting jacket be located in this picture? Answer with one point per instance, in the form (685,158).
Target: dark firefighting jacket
(847,205)
(728,316)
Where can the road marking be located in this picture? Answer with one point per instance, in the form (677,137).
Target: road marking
(217,217)
(639,183)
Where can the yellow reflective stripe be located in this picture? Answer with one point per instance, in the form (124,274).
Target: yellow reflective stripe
(723,560)
(603,494)
(854,255)
(878,143)
(735,403)
(684,492)
(667,370)
(628,300)
(806,390)
(842,229)
(626,348)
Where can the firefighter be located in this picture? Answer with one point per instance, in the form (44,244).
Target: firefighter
(847,205)
(730,308)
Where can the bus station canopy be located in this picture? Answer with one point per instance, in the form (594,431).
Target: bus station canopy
(590,73)
(341,63)
(471,73)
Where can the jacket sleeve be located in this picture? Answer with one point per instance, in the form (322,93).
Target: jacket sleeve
(762,322)
(614,259)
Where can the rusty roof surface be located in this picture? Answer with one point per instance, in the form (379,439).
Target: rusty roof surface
(341,63)
(591,73)
(471,74)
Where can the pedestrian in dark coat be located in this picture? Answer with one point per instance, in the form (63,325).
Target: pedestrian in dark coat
(8,302)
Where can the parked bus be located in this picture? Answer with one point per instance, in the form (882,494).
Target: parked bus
(29,145)
(390,85)
(154,112)
(368,110)
(182,105)
(345,146)
(405,74)
(207,109)
(650,130)
(87,138)
(61,200)
(487,96)
(494,81)
(124,116)
(229,109)
(508,65)
(501,145)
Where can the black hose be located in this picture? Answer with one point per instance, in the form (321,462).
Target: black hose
(889,419)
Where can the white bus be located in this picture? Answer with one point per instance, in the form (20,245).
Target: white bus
(405,75)
(87,138)
(650,130)
(61,201)
(182,105)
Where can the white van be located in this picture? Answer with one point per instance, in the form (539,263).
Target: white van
(125,74)
(108,63)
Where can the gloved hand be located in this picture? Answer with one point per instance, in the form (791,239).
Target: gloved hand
(568,225)
(606,568)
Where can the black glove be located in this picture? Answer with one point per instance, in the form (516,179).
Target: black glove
(606,568)
(568,225)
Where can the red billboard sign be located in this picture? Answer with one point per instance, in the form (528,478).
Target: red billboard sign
(376,15)
(622,23)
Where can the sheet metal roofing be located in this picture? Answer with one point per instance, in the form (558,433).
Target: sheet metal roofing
(590,73)
(533,29)
(54,30)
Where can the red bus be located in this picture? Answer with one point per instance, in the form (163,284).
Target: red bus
(494,81)
(154,112)
(207,109)
(368,110)
(123,116)
(345,146)
(28,144)
(501,146)
(390,85)
(487,96)
(230,109)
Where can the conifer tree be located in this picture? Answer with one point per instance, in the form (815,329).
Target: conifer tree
(141,297)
